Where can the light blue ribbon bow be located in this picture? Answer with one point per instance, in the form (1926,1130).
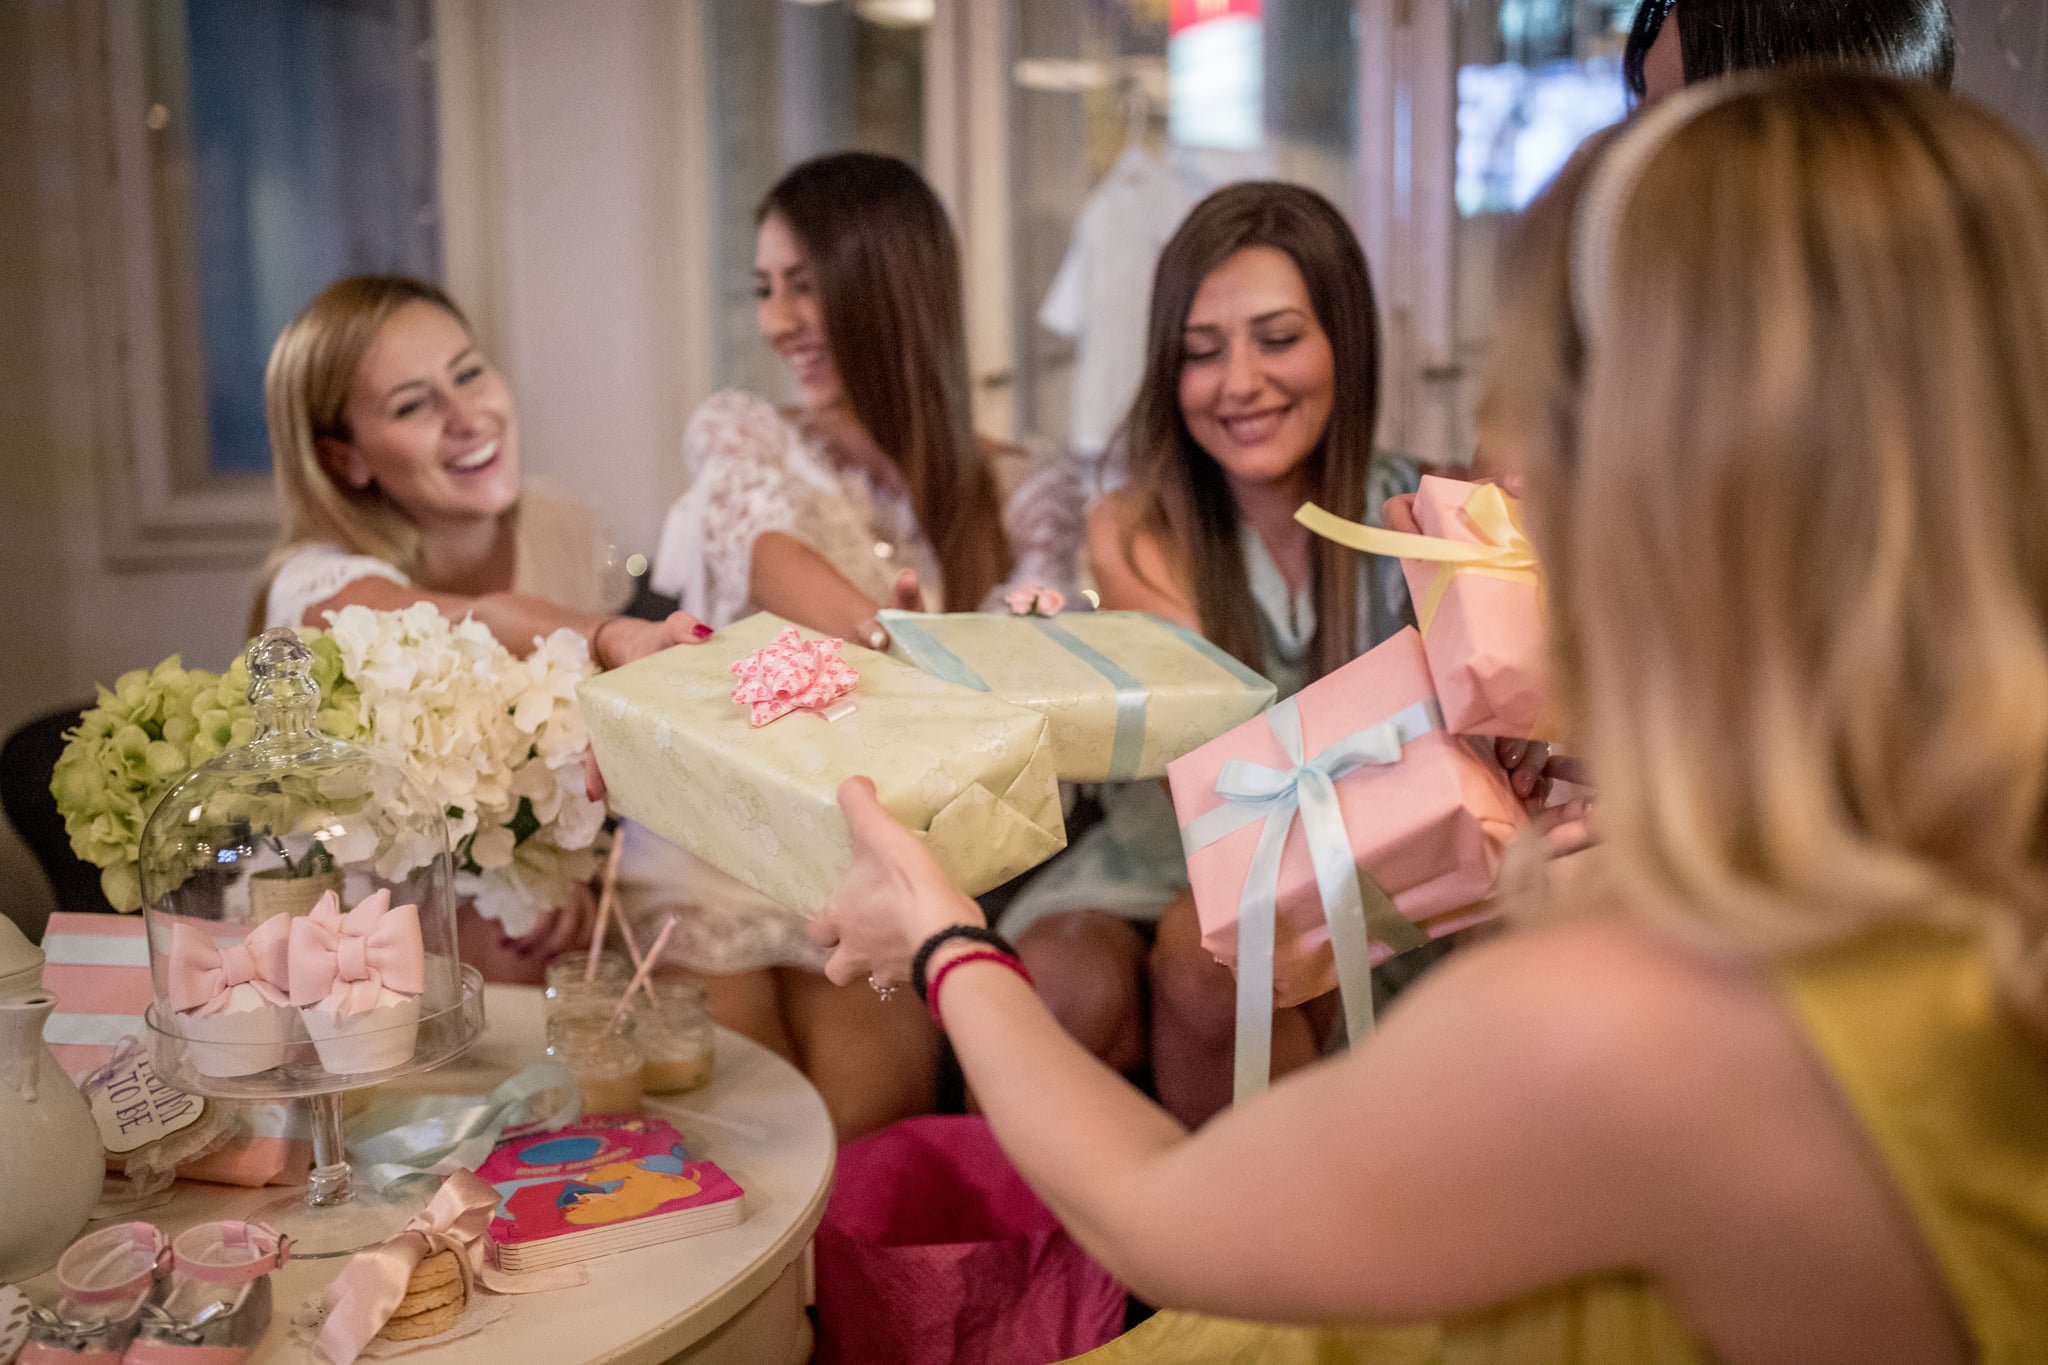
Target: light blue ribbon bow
(437,1133)
(1357,911)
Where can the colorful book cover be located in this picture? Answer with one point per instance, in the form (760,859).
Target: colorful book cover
(603,1173)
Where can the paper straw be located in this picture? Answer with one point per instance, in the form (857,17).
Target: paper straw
(633,950)
(646,970)
(606,890)
(632,944)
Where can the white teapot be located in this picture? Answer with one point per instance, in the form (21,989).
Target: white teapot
(51,1161)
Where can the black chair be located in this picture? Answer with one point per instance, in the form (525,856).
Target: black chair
(26,761)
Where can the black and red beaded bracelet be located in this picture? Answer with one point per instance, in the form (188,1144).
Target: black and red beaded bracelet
(923,959)
(1009,960)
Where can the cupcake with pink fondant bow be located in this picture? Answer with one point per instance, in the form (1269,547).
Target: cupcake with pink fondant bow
(356,980)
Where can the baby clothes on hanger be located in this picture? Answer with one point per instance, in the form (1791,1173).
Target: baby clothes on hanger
(1100,296)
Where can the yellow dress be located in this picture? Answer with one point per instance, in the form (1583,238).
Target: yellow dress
(1954,1100)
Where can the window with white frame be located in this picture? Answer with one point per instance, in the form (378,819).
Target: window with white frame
(236,156)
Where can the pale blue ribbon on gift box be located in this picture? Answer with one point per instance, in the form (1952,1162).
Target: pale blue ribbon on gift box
(1128,746)
(1357,911)
(442,1132)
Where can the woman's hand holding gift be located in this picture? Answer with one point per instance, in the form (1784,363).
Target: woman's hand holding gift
(894,896)
(680,628)
(1531,764)
(621,640)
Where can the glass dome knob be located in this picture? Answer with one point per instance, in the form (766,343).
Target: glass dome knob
(281,685)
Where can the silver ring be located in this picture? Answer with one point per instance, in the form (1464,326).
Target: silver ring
(882,992)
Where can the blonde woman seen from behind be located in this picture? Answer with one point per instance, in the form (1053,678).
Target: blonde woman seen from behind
(1778,1093)
(396,448)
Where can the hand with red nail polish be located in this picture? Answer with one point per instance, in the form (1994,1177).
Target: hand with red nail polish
(619,640)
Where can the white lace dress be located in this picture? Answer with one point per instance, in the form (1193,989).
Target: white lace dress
(314,572)
(751,472)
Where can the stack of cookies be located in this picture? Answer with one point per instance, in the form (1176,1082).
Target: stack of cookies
(434,1299)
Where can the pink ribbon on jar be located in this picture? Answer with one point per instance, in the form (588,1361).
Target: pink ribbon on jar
(791,673)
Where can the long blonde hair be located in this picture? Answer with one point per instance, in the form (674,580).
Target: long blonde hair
(305,399)
(1798,560)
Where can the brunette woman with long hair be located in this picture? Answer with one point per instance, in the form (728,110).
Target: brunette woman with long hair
(1261,392)
(871,490)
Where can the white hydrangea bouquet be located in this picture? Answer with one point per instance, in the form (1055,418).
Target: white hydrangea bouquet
(492,741)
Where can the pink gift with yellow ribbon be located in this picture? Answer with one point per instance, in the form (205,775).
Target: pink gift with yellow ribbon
(1478,598)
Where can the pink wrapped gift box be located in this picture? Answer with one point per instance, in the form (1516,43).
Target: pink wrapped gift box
(1424,817)
(1482,625)
(98,968)
(1479,600)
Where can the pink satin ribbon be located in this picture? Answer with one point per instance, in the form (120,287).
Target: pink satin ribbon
(203,974)
(113,1264)
(345,962)
(369,1288)
(792,674)
(229,1251)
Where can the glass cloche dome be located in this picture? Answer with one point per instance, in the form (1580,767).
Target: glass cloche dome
(300,903)
(301,910)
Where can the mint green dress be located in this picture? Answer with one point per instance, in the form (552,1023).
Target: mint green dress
(1131,863)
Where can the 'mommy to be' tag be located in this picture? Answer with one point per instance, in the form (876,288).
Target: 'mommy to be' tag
(134,1106)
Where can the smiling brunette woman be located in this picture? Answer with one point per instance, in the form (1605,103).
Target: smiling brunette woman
(871,490)
(1261,391)
(396,446)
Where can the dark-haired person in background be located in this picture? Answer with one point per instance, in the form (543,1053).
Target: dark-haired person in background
(1914,39)
(872,489)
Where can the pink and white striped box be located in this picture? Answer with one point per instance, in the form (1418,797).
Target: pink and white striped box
(98,968)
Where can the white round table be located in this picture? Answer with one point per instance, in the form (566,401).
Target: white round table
(732,1297)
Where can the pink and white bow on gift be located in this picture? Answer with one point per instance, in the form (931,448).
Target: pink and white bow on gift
(344,963)
(792,674)
(203,973)
(1035,600)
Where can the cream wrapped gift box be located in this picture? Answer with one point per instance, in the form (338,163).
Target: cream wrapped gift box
(971,772)
(1125,692)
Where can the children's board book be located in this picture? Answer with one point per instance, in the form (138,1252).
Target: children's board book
(608,1183)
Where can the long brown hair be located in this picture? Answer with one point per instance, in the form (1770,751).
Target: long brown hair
(1178,492)
(305,399)
(887,270)
(1793,531)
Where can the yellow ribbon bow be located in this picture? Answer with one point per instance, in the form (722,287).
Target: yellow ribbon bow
(1504,549)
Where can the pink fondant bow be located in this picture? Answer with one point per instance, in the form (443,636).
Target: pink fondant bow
(457,1219)
(203,974)
(792,674)
(1035,600)
(344,962)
